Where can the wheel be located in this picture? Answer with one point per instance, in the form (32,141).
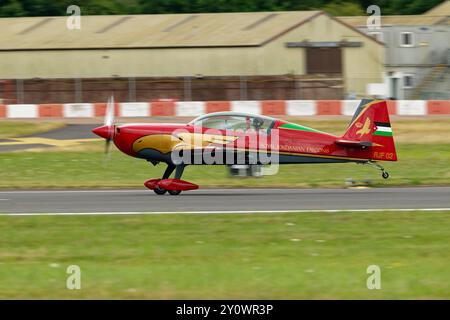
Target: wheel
(174,192)
(385,175)
(159,191)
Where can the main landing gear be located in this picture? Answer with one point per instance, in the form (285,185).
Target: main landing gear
(172,186)
(384,173)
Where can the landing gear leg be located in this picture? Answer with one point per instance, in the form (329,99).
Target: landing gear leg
(178,173)
(384,173)
(170,168)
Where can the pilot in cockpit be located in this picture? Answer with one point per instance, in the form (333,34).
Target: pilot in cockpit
(257,124)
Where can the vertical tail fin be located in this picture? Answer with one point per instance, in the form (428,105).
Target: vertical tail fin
(371,126)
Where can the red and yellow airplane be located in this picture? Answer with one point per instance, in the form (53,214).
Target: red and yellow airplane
(228,138)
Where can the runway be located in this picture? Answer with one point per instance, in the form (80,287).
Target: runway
(71,133)
(223,200)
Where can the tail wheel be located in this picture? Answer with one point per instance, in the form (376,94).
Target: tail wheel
(174,192)
(159,191)
(385,175)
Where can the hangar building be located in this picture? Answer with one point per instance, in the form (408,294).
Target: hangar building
(417,53)
(221,56)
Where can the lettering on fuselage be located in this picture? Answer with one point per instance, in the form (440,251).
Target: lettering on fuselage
(383,155)
(305,149)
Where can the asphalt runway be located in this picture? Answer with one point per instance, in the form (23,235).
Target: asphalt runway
(222,200)
(67,133)
(70,131)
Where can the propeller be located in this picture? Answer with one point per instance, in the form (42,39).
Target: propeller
(109,122)
(107,130)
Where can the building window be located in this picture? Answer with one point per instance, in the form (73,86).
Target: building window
(377,35)
(408,81)
(407,39)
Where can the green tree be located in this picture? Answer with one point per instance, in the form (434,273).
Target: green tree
(344,9)
(12,8)
(400,7)
(15,8)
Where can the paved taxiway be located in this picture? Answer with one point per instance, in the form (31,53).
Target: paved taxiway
(91,201)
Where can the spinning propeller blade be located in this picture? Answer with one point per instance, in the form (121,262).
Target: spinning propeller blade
(109,122)
(109,115)
(107,130)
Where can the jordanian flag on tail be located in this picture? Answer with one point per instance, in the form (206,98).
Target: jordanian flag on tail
(383,129)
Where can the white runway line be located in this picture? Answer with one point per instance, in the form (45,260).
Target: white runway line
(217,212)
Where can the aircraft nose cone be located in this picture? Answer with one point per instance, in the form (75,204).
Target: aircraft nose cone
(103,131)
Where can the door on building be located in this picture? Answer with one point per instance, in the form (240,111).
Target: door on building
(323,60)
(394,92)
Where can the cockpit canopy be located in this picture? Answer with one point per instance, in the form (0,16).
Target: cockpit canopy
(235,121)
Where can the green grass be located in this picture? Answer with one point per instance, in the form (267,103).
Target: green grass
(227,256)
(11,129)
(418,165)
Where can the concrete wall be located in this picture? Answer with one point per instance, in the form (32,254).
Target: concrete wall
(298,108)
(431,45)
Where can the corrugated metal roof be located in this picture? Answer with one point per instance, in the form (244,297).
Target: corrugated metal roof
(421,20)
(133,31)
(442,9)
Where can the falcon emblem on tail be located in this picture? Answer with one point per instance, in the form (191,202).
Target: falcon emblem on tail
(365,129)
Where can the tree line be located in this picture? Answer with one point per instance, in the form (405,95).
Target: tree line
(30,8)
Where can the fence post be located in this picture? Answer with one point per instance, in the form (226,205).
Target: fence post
(19,91)
(131,89)
(243,88)
(78,90)
(298,88)
(187,88)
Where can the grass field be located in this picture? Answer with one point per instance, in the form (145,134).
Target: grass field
(255,256)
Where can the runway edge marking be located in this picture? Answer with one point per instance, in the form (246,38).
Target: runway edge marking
(219,212)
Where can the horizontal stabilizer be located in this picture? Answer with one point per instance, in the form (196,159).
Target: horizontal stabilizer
(354,144)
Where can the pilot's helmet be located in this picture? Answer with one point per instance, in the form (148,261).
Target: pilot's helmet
(258,122)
